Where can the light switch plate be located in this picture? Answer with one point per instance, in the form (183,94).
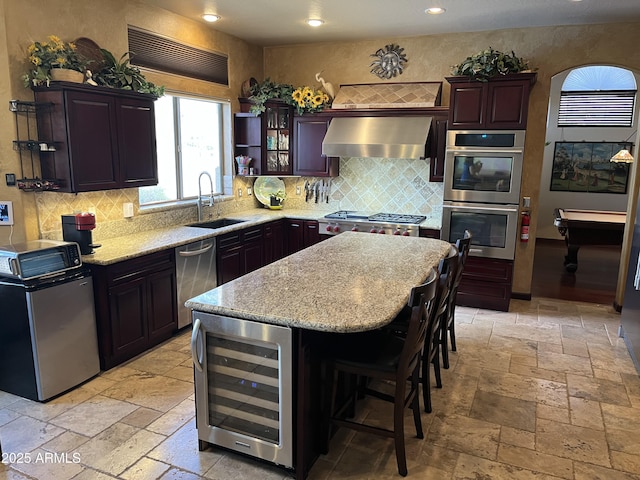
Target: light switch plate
(127,210)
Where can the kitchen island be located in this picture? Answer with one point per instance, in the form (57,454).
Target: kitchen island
(352,282)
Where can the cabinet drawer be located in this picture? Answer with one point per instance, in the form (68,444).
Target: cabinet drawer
(229,240)
(252,234)
(488,270)
(139,266)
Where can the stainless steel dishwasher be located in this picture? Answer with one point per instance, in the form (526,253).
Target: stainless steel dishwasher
(195,274)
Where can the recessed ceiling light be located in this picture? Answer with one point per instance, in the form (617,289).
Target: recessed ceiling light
(210,17)
(434,11)
(314,22)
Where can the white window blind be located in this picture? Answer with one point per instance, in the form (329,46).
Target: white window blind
(596,108)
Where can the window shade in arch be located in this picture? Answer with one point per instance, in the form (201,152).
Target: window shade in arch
(597,96)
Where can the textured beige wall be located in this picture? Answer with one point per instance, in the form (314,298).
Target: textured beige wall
(25,21)
(551,49)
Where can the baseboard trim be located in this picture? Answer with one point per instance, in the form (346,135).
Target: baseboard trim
(521,296)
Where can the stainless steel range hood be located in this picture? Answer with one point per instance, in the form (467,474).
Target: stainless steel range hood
(381,137)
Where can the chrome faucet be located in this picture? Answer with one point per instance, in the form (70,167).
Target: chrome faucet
(210,196)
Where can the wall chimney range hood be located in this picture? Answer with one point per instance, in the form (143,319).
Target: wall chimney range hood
(388,133)
(379,137)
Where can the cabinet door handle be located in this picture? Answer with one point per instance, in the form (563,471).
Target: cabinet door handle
(195,335)
(187,253)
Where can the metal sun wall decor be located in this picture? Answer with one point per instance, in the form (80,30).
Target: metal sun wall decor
(585,167)
(389,61)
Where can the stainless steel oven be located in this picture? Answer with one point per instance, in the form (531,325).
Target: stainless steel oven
(484,166)
(494,228)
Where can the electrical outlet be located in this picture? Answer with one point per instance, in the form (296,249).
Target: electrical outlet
(239,192)
(127,210)
(526,202)
(298,190)
(249,191)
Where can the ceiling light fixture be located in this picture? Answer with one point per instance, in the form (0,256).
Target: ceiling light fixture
(435,10)
(211,17)
(314,22)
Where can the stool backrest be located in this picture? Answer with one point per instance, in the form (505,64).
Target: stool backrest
(422,300)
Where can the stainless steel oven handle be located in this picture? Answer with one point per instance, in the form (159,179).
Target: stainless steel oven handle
(501,208)
(195,335)
(460,152)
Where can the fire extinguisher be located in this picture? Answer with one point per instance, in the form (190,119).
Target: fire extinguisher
(524,229)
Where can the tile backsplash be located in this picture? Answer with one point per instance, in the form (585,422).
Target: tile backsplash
(367,184)
(395,185)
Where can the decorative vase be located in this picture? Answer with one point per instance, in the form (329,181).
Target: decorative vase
(66,75)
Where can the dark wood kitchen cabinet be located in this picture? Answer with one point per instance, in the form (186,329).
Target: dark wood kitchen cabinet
(265,138)
(486,283)
(103,138)
(301,234)
(502,103)
(274,244)
(308,160)
(437,147)
(239,252)
(136,305)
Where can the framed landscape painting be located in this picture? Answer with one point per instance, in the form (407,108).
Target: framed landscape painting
(586,167)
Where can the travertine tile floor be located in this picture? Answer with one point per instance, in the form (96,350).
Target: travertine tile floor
(545,391)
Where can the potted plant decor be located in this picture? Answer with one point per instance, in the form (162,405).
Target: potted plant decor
(276,199)
(489,63)
(304,99)
(54,60)
(121,74)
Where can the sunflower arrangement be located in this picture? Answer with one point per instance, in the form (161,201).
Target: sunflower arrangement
(308,100)
(54,53)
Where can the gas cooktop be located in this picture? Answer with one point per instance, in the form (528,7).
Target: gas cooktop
(378,217)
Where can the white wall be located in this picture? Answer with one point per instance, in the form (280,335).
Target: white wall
(591,201)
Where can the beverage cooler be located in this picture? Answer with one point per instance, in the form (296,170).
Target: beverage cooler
(243,382)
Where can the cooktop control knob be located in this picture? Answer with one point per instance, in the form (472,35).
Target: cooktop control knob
(336,229)
(382,231)
(373,230)
(354,228)
(397,232)
(329,228)
(406,233)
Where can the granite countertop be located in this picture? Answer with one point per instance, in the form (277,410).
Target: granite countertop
(117,249)
(351,282)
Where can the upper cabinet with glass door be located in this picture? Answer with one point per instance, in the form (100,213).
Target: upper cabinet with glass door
(277,123)
(266,138)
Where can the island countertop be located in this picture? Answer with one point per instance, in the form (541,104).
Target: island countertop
(351,282)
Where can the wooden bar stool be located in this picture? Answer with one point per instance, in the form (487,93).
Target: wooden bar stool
(383,356)
(447,326)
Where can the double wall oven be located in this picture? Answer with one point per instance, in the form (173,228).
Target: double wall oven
(483,171)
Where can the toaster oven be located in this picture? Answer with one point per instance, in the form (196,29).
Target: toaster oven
(38,258)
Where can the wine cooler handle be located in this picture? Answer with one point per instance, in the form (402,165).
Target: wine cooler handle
(195,334)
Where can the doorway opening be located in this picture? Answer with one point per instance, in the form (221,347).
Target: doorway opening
(590,106)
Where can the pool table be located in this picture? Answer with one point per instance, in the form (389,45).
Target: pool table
(588,227)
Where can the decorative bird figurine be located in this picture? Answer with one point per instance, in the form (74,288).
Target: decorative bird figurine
(327,86)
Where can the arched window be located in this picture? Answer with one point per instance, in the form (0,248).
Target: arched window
(598,96)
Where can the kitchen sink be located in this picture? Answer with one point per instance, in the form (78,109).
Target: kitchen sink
(221,222)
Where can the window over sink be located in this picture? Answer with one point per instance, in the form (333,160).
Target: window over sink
(190,140)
